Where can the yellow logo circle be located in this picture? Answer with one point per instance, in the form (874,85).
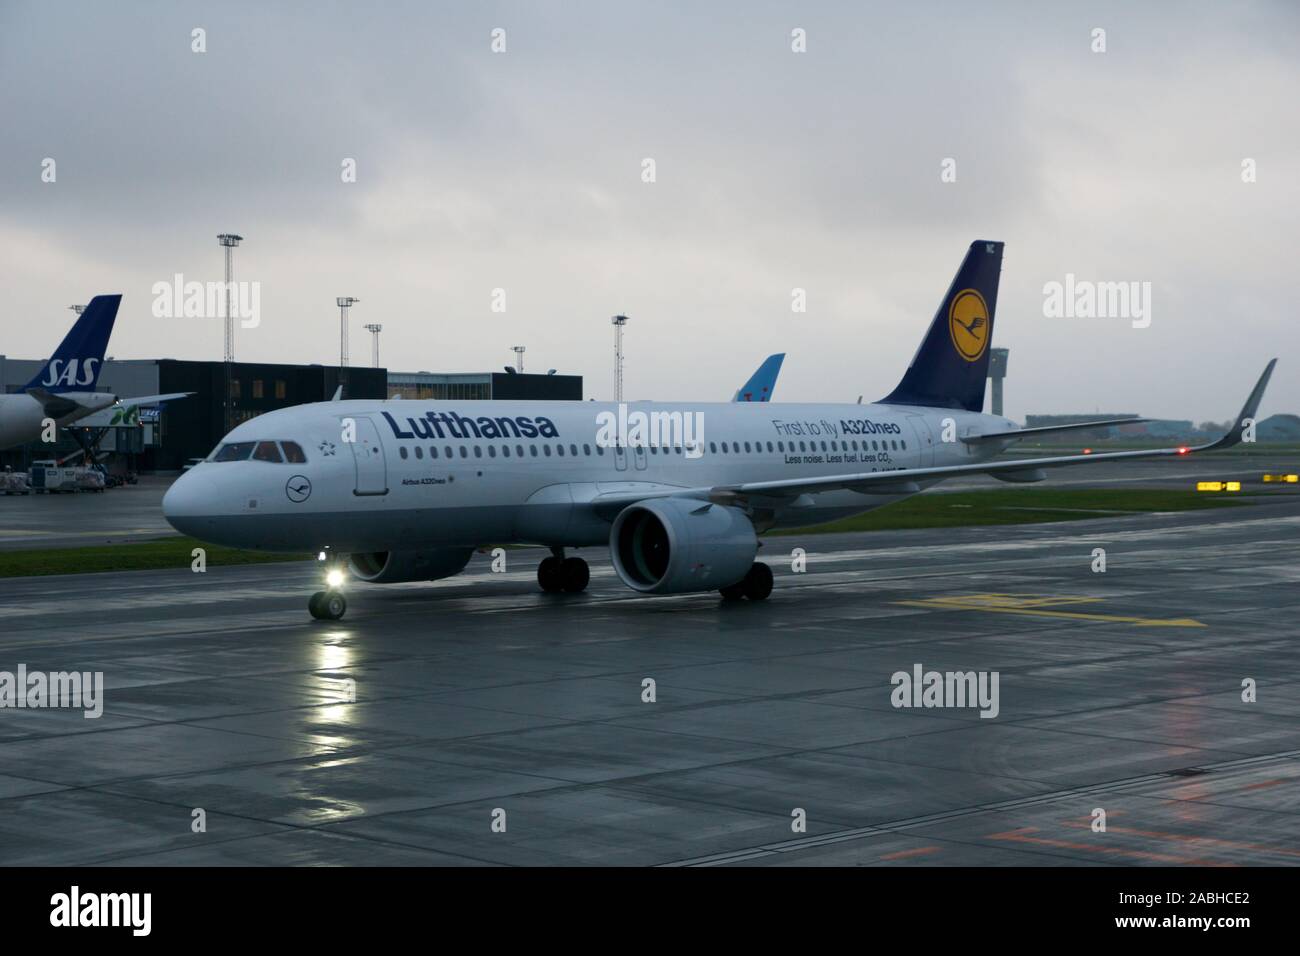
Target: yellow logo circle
(968,324)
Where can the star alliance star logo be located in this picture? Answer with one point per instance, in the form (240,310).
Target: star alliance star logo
(326,448)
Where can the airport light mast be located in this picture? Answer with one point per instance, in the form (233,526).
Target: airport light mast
(228,242)
(374,328)
(519,357)
(345,302)
(618,322)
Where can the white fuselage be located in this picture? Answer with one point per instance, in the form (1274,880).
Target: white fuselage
(22,417)
(404,475)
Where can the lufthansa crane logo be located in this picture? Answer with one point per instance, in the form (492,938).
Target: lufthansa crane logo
(968,324)
(298,488)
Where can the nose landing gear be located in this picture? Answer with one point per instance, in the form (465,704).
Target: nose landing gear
(327,605)
(330,604)
(558,573)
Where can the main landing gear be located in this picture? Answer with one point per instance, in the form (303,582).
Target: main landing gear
(558,573)
(755,585)
(330,604)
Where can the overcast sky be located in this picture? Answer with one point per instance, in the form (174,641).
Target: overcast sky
(775,170)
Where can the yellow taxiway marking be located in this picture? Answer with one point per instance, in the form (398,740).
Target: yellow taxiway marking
(1036,605)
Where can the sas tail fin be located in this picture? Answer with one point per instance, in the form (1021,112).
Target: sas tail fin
(949,369)
(75,364)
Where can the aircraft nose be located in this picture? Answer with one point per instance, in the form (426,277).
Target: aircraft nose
(190,503)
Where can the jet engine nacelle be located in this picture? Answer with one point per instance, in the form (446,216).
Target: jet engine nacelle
(677,545)
(398,567)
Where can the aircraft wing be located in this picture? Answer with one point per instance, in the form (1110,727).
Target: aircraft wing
(126,411)
(1019,433)
(907,480)
(148,401)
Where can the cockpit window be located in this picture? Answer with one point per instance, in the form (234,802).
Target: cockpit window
(267,451)
(260,451)
(234,451)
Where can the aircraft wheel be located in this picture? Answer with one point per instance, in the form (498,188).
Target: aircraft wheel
(550,575)
(333,605)
(733,592)
(314,605)
(575,575)
(757,584)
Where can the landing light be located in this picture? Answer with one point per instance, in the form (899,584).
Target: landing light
(335,578)
(1183,450)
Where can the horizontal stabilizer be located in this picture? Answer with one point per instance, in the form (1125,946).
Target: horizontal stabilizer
(64,404)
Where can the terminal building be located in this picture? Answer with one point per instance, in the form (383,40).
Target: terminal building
(191,427)
(498,386)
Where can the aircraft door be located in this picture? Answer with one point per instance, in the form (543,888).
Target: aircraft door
(924,441)
(368,455)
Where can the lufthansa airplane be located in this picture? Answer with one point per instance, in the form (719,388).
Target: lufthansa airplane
(396,491)
(63,391)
